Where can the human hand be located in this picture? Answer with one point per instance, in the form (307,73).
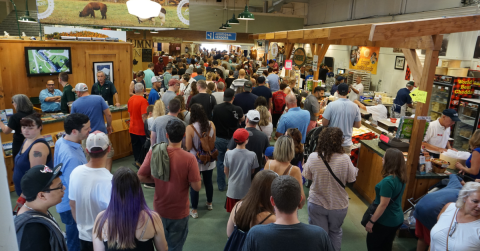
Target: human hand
(443,150)
(477,180)
(117,104)
(369,227)
(459,166)
(109,130)
(453,149)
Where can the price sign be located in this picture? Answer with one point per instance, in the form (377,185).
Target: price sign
(419,96)
(288,64)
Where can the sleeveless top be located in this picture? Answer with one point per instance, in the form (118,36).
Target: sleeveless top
(236,240)
(287,171)
(22,163)
(469,164)
(135,82)
(139,245)
(196,143)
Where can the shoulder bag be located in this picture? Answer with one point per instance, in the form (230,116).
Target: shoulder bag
(373,207)
(331,172)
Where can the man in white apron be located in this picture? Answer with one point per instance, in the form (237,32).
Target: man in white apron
(402,100)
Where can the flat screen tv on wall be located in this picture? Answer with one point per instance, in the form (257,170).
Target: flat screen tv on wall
(41,61)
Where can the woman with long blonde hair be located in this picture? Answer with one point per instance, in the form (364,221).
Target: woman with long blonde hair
(265,124)
(158,110)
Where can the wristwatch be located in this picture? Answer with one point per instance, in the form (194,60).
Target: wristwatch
(370,220)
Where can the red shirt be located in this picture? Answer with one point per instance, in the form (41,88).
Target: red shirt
(171,198)
(137,105)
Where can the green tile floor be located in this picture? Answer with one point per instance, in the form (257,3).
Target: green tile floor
(208,232)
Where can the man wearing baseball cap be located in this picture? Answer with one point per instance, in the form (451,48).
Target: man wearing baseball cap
(246,99)
(35,227)
(258,142)
(262,90)
(438,133)
(402,100)
(339,80)
(95,108)
(154,94)
(90,187)
(226,118)
(343,114)
(173,86)
(240,164)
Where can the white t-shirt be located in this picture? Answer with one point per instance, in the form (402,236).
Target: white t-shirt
(150,123)
(268,129)
(218,97)
(352,95)
(90,188)
(378,112)
(466,236)
(437,135)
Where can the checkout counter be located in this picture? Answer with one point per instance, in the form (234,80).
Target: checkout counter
(53,127)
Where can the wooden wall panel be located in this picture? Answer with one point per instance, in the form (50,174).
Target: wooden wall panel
(13,75)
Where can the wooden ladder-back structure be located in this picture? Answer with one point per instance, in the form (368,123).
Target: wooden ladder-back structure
(410,35)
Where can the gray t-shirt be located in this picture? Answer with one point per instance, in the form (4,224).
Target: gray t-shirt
(241,164)
(167,96)
(312,106)
(342,113)
(160,127)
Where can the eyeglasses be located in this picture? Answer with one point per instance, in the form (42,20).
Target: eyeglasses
(60,186)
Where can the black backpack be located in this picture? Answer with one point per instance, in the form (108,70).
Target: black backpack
(311,141)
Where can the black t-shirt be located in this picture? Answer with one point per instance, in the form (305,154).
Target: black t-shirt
(181,71)
(207,101)
(257,143)
(296,159)
(246,101)
(264,92)
(14,124)
(35,237)
(323,75)
(107,90)
(226,119)
(229,81)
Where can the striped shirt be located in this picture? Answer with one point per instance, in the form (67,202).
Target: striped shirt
(325,190)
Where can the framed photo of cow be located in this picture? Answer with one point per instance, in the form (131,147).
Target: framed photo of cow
(399,63)
(106,68)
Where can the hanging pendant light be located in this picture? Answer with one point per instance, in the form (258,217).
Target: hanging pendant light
(246,15)
(222,27)
(226,25)
(234,20)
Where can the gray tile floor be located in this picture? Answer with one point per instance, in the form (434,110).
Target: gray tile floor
(208,232)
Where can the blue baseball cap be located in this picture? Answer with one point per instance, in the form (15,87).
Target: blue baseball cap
(452,114)
(340,78)
(269,151)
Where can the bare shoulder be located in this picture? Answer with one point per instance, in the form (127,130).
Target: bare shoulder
(40,147)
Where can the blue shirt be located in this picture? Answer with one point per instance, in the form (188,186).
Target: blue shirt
(92,106)
(153,96)
(273,82)
(200,77)
(428,208)
(49,106)
(264,92)
(294,118)
(403,96)
(469,164)
(71,155)
(334,89)
(342,113)
(309,76)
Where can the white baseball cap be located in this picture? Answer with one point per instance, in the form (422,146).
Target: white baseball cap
(81,87)
(253,115)
(97,139)
(154,79)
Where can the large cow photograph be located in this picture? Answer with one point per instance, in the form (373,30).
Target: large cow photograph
(115,13)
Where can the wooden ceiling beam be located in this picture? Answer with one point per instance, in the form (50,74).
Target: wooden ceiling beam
(281,35)
(262,36)
(270,36)
(414,63)
(297,34)
(349,31)
(415,28)
(315,33)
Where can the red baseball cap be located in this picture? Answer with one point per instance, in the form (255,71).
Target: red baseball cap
(241,135)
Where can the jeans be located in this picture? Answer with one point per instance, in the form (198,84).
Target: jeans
(73,242)
(381,238)
(207,181)
(330,220)
(137,144)
(221,145)
(176,232)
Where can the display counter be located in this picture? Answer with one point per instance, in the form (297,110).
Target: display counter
(53,128)
(370,173)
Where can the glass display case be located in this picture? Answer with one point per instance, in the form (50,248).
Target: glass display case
(440,100)
(468,114)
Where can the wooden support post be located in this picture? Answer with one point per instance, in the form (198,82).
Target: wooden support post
(414,63)
(288,54)
(425,84)
(321,54)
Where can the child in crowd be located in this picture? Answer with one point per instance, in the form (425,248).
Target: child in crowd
(239,163)
(269,153)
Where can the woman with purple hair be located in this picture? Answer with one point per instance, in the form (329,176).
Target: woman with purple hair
(128,224)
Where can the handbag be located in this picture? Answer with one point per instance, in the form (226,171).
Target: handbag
(373,207)
(331,172)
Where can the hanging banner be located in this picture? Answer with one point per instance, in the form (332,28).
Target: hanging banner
(315,63)
(364,58)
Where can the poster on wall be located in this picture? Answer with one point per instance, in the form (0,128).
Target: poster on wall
(106,68)
(443,50)
(57,33)
(118,13)
(364,58)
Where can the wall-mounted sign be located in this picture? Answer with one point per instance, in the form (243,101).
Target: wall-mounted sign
(147,55)
(364,58)
(315,62)
(288,64)
(299,57)
(274,50)
(230,36)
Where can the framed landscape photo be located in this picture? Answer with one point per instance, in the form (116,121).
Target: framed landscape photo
(106,67)
(399,63)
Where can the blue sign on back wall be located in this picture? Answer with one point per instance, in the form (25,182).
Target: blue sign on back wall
(212,35)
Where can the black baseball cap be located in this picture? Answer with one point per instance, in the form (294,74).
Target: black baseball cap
(452,114)
(343,89)
(228,95)
(248,86)
(261,80)
(38,179)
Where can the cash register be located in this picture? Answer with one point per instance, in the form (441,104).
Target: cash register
(387,142)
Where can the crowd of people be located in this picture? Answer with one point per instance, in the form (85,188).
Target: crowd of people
(220,111)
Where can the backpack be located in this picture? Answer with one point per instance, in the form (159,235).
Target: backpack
(278,98)
(207,152)
(312,140)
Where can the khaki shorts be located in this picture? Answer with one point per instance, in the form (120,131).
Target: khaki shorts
(84,146)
